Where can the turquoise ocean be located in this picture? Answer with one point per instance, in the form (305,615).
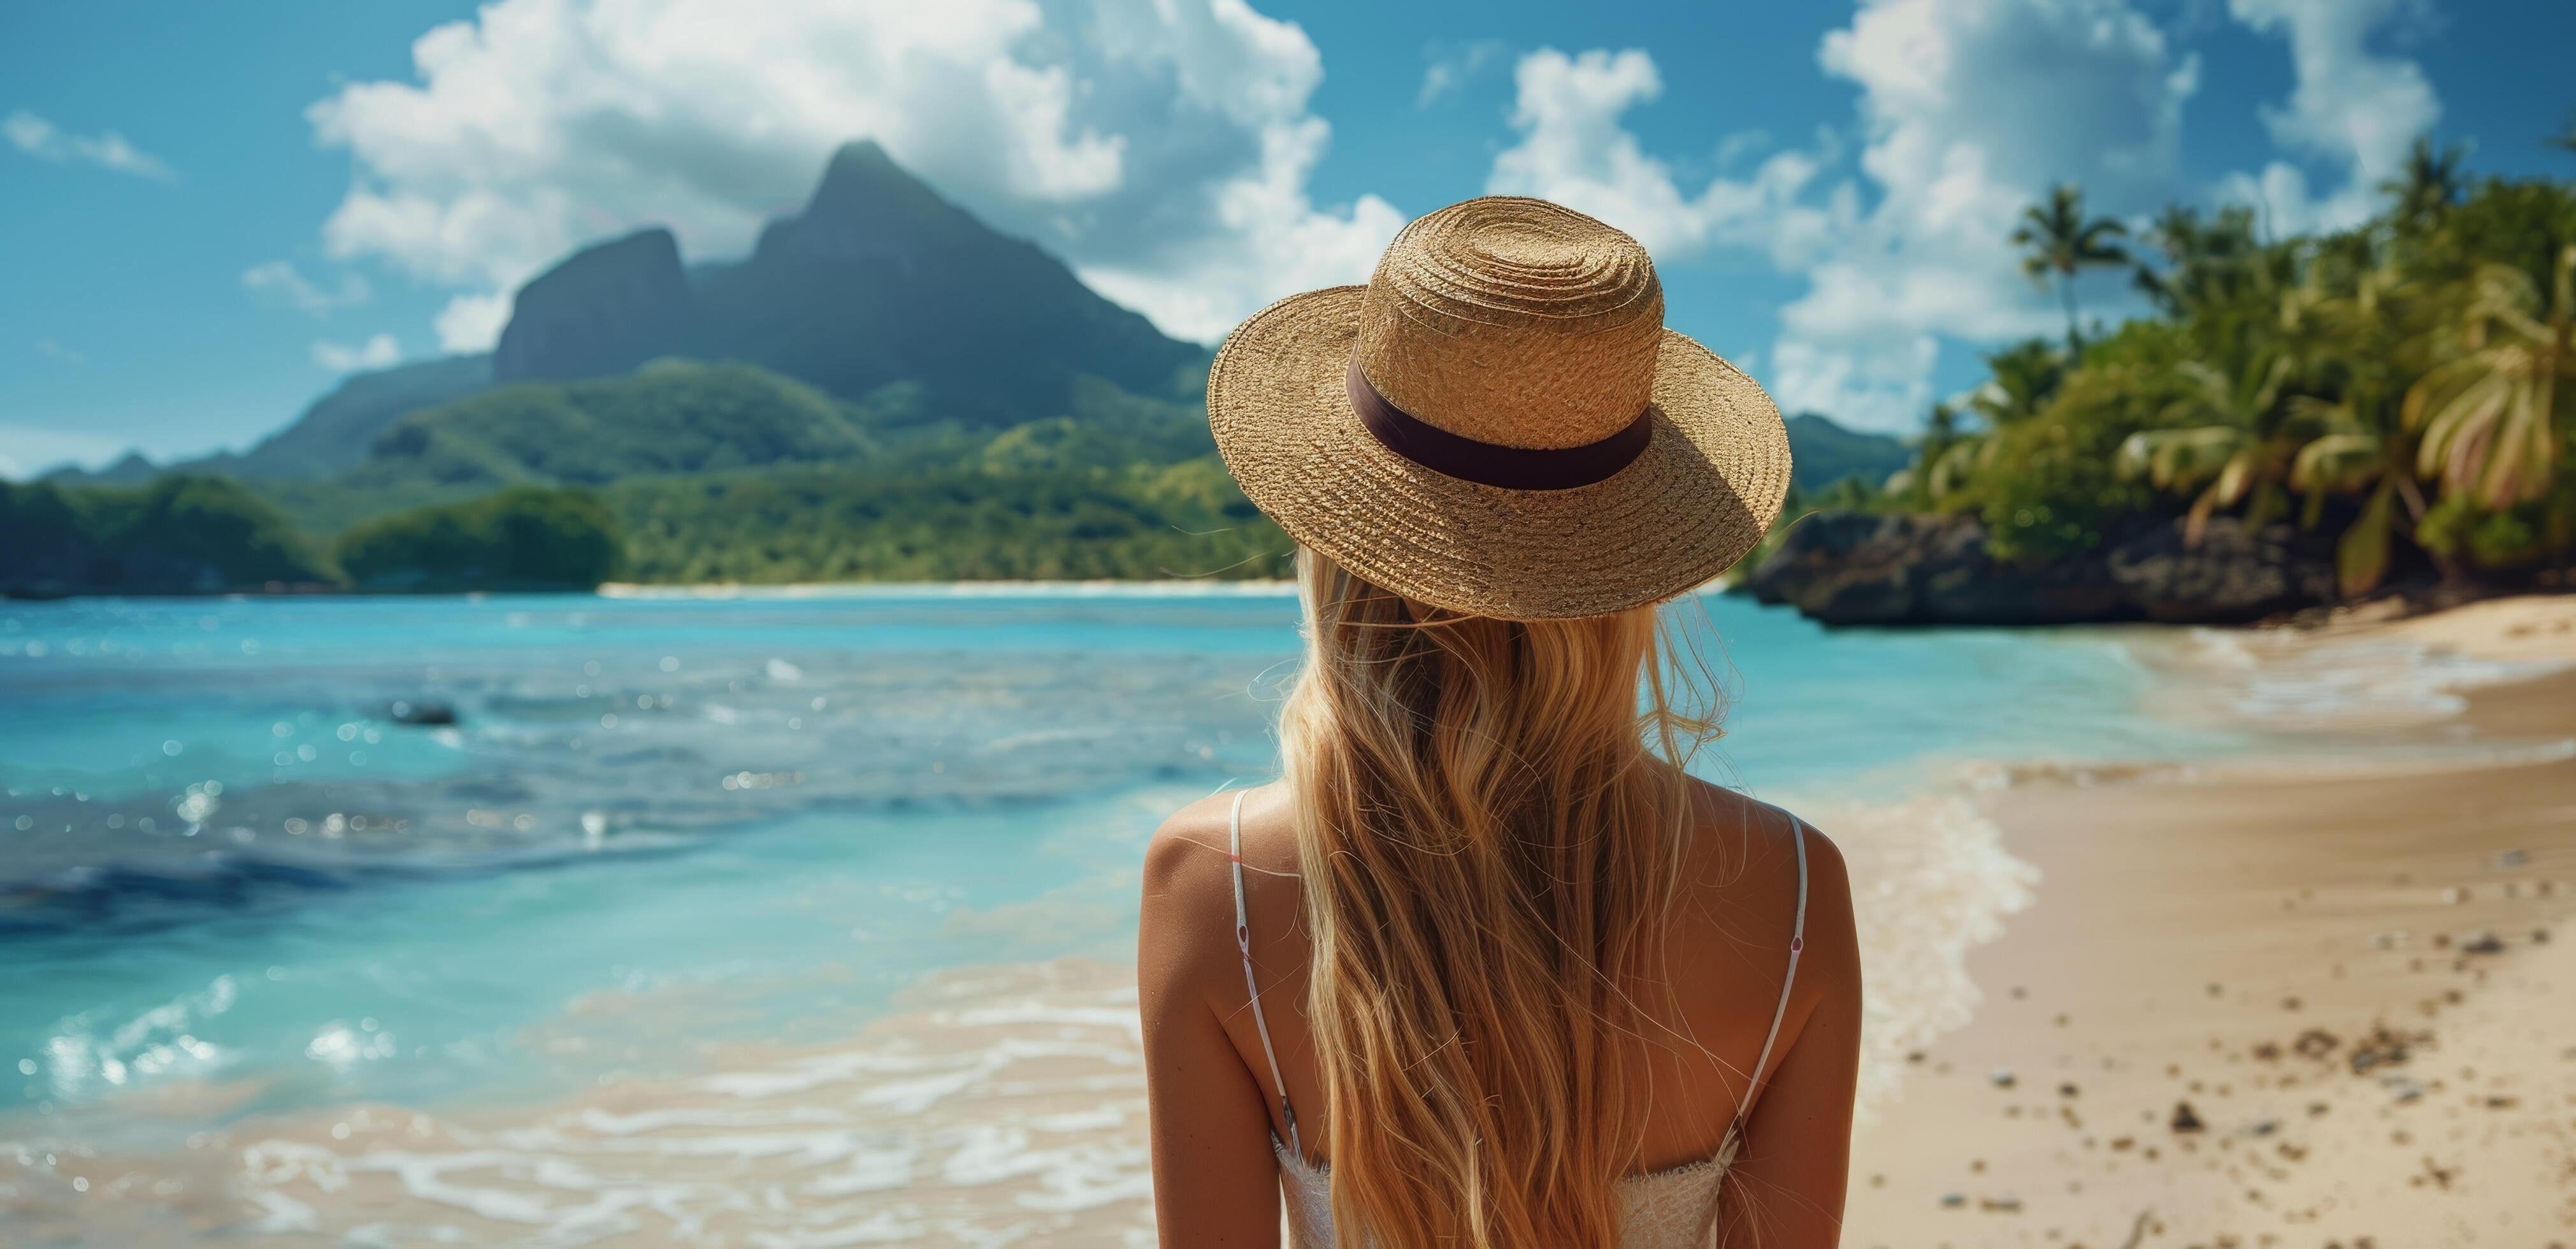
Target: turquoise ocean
(236,884)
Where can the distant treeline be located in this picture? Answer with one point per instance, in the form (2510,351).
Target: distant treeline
(178,535)
(210,535)
(522,538)
(1065,498)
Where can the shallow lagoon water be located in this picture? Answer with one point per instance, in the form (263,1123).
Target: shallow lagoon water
(764,816)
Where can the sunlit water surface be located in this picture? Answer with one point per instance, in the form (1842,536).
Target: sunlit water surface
(665,836)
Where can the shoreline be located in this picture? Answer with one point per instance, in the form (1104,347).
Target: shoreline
(2360,984)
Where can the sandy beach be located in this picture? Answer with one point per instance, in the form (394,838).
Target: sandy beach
(2322,1007)
(2325,1001)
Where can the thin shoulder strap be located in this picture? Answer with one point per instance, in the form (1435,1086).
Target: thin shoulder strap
(1797,946)
(1243,942)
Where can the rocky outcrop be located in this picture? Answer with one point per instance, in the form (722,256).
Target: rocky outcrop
(879,285)
(880,280)
(604,310)
(1861,568)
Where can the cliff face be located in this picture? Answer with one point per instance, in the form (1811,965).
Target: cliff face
(1859,568)
(878,281)
(604,310)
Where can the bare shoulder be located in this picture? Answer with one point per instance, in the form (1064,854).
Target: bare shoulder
(1755,852)
(1192,851)
(1185,937)
(1831,963)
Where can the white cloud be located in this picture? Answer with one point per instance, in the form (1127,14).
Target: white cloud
(107,149)
(1162,147)
(52,350)
(1450,71)
(376,353)
(472,322)
(2353,109)
(279,284)
(1573,150)
(1969,110)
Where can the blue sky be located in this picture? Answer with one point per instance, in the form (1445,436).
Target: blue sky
(210,214)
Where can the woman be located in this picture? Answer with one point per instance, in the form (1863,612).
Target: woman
(1487,967)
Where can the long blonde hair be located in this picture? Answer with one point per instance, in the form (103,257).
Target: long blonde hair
(1490,824)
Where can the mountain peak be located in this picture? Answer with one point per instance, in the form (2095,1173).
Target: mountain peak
(864,186)
(861,153)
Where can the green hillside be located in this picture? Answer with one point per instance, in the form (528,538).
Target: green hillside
(332,434)
(673,416)
(730,472)
(1824,452)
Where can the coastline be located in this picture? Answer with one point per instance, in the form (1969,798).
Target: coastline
(2359,981)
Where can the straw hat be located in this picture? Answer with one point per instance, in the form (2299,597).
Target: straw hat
(1499,423)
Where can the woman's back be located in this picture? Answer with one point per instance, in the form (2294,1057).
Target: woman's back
(1749,873)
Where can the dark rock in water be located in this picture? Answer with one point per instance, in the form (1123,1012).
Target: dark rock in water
(1862,568)
(605,310)
(425,712)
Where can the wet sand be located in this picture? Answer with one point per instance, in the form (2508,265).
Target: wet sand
(2320,1008)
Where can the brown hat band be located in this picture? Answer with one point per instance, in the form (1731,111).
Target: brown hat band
(1492,464)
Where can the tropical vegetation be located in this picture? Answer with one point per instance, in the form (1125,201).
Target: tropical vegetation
(2407,386)
(180,534)
(522,538)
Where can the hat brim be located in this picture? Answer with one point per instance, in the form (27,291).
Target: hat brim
(1709,483)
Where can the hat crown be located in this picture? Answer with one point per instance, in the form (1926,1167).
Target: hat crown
(1513,321)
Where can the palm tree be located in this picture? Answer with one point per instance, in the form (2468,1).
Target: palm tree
(1940,433)
(2203,259)
(2430,184)
(2020,381)
(2365,447)
(2490,413)
(2058,241)
(1946,458)
(2564,140)
(2235,450)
